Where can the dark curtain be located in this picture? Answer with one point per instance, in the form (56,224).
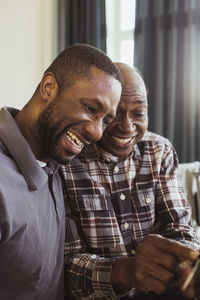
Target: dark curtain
(81,21)
(167,52)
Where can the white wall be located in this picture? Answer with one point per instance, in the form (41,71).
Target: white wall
(26,47)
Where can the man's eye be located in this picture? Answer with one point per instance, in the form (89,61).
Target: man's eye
(140,115)
(90,108)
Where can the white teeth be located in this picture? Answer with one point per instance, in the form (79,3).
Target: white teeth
(121,140)
(74,139)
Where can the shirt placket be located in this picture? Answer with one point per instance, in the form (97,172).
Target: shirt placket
(121,197)
(50,174)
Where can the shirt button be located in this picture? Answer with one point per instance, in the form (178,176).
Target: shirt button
(122,197)
(87,203)
(148,200)
(126,225)
(116,169)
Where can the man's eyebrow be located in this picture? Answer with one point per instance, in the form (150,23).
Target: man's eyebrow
(138,101)
(94,101)
(141,101)
(101,106)
(99,103)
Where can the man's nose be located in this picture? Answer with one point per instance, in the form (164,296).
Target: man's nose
(94,130)
(127,125)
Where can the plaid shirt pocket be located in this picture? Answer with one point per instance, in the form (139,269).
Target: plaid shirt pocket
(97,220)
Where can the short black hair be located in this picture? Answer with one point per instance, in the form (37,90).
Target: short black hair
(75,62)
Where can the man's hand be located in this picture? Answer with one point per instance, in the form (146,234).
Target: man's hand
(153,267)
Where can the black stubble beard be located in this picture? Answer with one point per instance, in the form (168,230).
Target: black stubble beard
(48,136)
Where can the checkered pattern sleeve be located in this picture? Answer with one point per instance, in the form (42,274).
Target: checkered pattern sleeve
(90,275)
(173,212)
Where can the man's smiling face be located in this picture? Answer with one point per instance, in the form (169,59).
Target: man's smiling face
(78,115)
(131,120)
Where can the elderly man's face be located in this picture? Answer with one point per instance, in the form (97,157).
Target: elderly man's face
(131,120)
(78,115)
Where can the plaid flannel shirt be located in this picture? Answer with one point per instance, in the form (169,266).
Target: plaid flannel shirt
(111,206)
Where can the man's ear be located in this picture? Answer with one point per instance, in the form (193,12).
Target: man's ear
(48,86)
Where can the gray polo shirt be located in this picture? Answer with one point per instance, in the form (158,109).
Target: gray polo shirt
(31,220)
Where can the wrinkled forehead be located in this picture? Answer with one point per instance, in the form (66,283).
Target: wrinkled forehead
(134,94)
(134,90)
(134,83)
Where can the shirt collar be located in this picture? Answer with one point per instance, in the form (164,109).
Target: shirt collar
(42,163)
(94,152)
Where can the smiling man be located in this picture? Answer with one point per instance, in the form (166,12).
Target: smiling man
(127,219)
(75,100)
(131,120)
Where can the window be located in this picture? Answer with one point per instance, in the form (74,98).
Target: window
(120,19)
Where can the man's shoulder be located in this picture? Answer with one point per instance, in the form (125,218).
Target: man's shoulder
(154,138)
(153,145)
(5,156)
